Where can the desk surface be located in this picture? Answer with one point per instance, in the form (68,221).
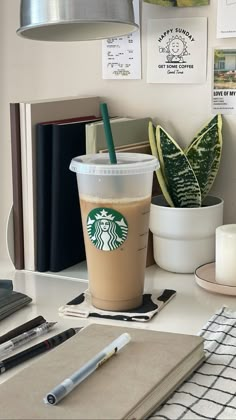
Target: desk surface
(186,313)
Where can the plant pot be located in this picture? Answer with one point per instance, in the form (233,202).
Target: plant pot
(184,238)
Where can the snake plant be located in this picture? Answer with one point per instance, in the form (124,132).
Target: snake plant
(186,176)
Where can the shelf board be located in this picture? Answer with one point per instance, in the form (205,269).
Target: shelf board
(77,272)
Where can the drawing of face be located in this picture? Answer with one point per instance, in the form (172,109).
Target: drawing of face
(176,47)
(104,225)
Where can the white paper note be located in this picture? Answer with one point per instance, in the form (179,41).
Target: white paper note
(121,56)
(226,21)
(176,50)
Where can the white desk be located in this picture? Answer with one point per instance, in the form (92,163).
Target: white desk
(186,313)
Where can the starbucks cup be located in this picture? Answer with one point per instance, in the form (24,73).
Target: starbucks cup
(115,207)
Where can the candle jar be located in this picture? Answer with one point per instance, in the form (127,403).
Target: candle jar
(225,265)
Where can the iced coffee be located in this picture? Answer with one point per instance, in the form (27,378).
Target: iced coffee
(115,216)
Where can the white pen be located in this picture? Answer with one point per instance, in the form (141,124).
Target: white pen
(65,387)
(20,340)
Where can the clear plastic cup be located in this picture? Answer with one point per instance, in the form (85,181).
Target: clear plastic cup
(115,207)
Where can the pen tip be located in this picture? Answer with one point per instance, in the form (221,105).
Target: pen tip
(50,324)
(78,329)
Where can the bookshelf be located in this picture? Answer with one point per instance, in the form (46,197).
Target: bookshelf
(47,121)
(77,272)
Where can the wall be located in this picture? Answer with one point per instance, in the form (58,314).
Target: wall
(33,70)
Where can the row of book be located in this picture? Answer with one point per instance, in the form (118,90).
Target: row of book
(45,136)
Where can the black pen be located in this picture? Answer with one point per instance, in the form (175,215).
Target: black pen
(39,348)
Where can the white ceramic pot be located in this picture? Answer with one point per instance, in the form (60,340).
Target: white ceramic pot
(184,238)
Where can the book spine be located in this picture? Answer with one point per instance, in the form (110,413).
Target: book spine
(43,192)
(17,186)
(26,209)
(30,182)
(90,138)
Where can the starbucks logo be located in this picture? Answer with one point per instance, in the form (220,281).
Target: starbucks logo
(107,228)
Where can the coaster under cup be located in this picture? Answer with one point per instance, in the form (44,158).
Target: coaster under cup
(82,307)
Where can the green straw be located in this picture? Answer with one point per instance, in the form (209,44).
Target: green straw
(108,133)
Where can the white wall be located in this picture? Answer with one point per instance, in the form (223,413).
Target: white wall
(33,70)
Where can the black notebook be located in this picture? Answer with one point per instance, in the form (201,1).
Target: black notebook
(56,141)
(67,242)
(44,182)
(11,301)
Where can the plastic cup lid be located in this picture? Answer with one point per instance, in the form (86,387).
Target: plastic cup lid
(127,164)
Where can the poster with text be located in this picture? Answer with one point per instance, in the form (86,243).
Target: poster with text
(226,22)
(121,56)
(224,81)
(176,50)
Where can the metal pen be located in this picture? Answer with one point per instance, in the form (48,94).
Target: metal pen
(65,387)
(21,339)
(37,349)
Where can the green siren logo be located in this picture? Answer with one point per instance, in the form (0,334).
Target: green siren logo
(107,228)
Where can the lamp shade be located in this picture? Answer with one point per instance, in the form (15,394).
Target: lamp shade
(75,20)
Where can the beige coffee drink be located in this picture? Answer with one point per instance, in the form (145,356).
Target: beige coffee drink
(115,207)
(115,234)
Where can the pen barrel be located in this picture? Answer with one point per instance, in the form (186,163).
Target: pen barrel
(59,338)
(35,322)
(61,390)
(21,357)
(118,343)
(23,338)
(26,337)
(6,348)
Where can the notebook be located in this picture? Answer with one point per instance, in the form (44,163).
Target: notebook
(17,186)
(56,142)
(67,240)
(130,385)
(125,131)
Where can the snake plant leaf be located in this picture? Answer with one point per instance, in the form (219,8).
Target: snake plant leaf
(181,180)
(204,154)
(152,139)
(205,128)
(159,172)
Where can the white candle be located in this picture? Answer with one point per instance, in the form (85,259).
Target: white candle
(225,266)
